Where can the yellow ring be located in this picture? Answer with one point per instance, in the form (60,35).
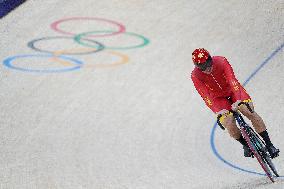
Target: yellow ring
(123,59)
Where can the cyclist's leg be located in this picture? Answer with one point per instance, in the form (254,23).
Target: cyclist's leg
(227,119)
(255,119)
(229,122)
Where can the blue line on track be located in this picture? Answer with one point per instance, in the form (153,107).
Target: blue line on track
(212,137)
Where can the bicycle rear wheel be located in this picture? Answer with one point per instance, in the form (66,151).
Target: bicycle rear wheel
(256,153)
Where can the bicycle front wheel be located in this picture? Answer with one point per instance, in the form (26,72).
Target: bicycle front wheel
(256,154)
(261,148)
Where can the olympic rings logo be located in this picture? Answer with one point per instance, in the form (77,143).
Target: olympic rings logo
(87,42)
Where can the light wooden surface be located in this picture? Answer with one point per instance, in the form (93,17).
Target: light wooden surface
(141,124)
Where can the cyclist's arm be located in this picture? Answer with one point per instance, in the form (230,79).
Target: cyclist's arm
(233,82)
(203,91)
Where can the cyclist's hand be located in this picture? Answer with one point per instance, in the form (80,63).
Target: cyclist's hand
(221,112)
(235,105)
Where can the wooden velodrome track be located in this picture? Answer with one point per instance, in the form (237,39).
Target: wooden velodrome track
(113,107)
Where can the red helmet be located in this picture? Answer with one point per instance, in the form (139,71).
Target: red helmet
(201,58)
(200,55)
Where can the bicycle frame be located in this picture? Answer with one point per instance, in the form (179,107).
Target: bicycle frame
(243,125)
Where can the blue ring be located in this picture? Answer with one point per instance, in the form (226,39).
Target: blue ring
(8,62)
(212,136)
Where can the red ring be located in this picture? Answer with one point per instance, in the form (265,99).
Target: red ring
(54,25)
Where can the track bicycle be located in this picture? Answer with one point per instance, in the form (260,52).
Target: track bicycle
(255,143)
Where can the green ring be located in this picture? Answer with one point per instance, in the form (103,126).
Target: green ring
(145,42)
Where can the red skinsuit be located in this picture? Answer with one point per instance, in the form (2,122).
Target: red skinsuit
(216,87)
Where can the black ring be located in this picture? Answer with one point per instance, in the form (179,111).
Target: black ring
(31,44)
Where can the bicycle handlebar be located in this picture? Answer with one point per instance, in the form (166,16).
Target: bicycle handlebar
(235,113)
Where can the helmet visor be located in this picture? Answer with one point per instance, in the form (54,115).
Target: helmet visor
(205,65)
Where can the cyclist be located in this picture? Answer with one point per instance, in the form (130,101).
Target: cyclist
(214,79)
